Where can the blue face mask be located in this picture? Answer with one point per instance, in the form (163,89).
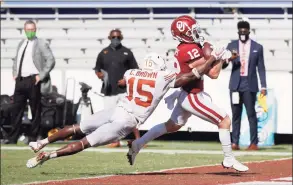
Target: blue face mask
(115,42)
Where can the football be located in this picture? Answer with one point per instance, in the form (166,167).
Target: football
(207,50)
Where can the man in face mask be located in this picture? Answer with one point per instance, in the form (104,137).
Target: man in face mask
(111,64)
(31,71)
(244,83)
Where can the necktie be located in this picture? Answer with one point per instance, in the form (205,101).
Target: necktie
(243,60)
(21,60)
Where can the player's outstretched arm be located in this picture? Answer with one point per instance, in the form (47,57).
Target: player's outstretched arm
(195,74)
(216,68)
(214,72)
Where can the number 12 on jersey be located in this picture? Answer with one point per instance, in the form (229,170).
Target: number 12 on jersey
(193,53)
(136,92)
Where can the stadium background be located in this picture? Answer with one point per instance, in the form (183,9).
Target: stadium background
(78,31)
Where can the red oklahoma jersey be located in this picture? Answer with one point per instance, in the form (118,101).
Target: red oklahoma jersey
(185,53)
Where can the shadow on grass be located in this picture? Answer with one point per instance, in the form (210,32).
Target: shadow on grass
(235,174)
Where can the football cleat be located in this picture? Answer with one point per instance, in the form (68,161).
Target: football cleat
(131,153)
(37,160)
(233,163)
(36,146)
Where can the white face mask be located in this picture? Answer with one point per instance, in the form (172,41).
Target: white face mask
(243,38)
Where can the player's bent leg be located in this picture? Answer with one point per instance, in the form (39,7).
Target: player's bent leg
(150,135)
(70,149)
(171,126)
(200,104)
(87,126)
(225,138)
(60,135)
(178,118)
(136,145)
(225,123)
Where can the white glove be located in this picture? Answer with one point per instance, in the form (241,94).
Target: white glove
(218,52)
(227,54)
(170,100)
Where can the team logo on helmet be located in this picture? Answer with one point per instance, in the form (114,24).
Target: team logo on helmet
(180,26)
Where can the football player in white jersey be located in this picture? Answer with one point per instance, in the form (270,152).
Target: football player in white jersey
(145,88)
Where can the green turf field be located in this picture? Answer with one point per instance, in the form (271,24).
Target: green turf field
(93,163)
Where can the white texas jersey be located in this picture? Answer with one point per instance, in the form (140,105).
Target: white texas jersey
(145,89)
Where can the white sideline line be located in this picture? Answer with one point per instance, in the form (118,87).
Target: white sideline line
(262,183)
(277,181)
(163,170)
(125,150)
(284,179)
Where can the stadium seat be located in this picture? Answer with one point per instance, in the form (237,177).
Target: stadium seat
(226,23)
(7,63)
(274,34)
(109,24)
(67,53)
(139,53)
(135,44)
(88,33)
(273,44)
(51,33)
(69,37)
(163,44)
(7,54)
(60,24)
(57,43)
(205,22)
(157,23)
(268,53)
(276,64)
(10,33)
(259,23)
(11,43)
(92,53)
(167,34)
(60,62)
(9,24)
(141,33)
(84,62)
(277,23)
(283,54)
(222,33)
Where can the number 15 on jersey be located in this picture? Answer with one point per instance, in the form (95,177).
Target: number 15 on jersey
(141,91)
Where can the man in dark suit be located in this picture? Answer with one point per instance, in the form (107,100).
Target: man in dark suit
(244,83)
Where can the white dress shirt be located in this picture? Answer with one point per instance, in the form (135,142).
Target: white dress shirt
(28,66)
(244,51)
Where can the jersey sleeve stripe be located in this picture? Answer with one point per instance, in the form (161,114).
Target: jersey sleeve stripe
(169,77)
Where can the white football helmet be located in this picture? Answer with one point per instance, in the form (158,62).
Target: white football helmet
(153,62)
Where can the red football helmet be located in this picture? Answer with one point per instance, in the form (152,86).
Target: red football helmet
(186,29)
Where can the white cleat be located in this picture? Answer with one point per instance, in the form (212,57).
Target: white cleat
(37,160)
(233,163)
(131,154)
(36,146)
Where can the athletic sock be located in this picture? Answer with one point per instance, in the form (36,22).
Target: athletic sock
(44,141)
(53,155)
(152,134)
(225,139)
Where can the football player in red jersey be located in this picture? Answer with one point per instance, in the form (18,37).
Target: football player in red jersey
(192,100)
